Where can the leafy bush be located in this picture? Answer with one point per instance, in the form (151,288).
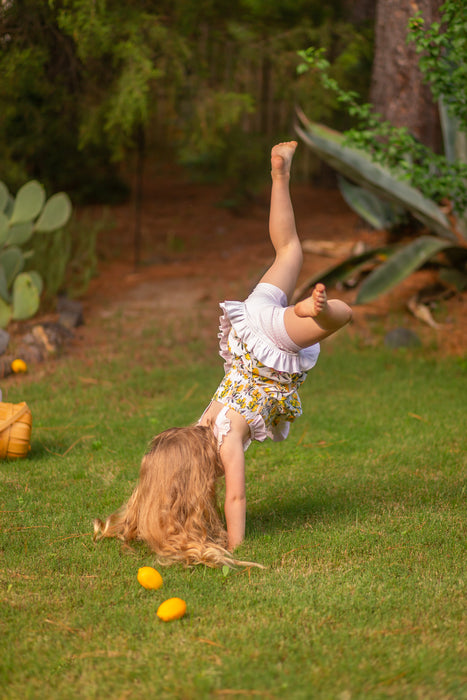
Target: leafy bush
(391,164)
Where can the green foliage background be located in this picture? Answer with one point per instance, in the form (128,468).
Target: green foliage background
(82,80)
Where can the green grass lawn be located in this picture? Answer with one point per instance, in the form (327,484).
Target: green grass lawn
(359,518)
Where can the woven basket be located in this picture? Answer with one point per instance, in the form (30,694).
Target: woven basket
(15,430)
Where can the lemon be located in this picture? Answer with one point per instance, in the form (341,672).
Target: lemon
(19,366)
(149,577)
(171,609)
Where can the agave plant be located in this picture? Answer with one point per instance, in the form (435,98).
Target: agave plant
(382,199)
(22,217)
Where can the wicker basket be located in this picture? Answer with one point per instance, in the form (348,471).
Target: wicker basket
(15,430)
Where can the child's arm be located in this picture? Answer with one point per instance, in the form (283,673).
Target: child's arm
(233,459)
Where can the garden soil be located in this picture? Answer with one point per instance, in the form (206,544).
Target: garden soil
(194,252)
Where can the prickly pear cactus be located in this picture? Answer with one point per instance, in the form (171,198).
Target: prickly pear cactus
(21,218)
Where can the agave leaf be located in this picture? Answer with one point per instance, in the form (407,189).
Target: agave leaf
(455,148)
(4,196)
(19,233)
(55,214)
(357,166)
(404,261)
(5,314)
(12,261)
(449,128)
(25,297)
(454,139)
(28,203)
(378,213)
(343,270)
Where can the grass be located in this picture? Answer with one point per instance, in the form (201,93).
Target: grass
(359,518)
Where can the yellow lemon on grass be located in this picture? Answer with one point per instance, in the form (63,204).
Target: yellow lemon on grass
(171,609)
(19,366)
(149,577)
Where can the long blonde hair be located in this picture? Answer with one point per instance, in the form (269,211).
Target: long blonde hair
(174,506)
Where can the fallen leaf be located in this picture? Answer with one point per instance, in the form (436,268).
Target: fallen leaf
(422,312)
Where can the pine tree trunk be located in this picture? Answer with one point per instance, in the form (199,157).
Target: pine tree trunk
(397,89)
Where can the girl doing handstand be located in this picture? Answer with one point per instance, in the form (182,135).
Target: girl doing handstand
(268,347)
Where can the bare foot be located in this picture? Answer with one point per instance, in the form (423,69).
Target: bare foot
(281,158)
(314,304)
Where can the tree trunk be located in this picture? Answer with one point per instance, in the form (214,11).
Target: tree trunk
(397,91)
(359,11)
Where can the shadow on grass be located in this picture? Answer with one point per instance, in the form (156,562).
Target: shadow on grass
(347,503)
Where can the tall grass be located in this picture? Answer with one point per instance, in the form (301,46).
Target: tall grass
(359,518)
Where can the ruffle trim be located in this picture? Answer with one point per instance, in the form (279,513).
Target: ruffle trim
(236,316)
(258,430)
(222,425)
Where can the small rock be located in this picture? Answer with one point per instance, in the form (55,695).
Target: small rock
(70,312)
(68,319)
(31,353)
(5,366)
(4,340)
(51,336)
(401,338)
(41,338)
(42,341)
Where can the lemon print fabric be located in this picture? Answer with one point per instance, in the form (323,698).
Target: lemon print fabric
(171,609)
(149,578)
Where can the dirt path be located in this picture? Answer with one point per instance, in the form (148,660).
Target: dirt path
(196,254)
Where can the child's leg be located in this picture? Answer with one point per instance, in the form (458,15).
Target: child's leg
(285,269)
(314,318)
